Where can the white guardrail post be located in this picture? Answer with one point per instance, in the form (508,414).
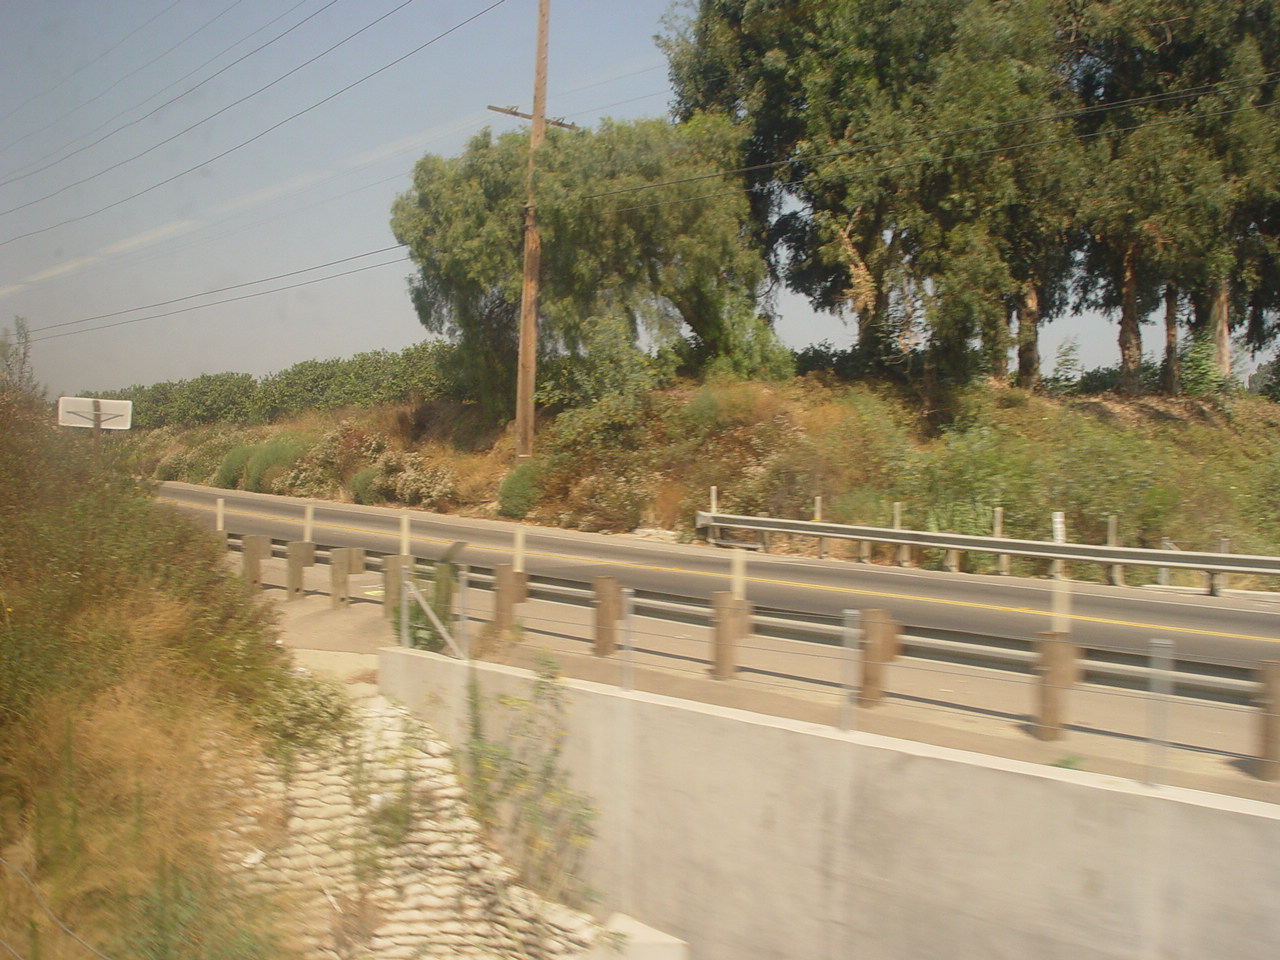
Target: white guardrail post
(904,541)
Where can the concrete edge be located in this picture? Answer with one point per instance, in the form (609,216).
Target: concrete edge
(913,748)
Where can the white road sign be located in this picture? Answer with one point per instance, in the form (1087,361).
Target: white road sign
(84,412)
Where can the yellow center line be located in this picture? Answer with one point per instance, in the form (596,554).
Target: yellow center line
(851,591)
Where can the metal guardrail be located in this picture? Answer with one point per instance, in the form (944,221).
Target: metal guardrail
(1037,549)
(1107,667)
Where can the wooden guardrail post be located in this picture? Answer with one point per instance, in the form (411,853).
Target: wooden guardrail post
(1269,703)
(254,547)
(903,553)
(300,553)
(393,569)
(1116,573)
(1058,669)
(879,646)
(608,613)
(510,588)
(1218,582)
(731,622)
(997,530)
(343,562)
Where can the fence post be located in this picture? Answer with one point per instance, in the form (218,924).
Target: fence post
(877,650)
(817,518)
(220,515)
(254,548)
(1218,581)
(1162,574)
(904,551)
(463,623)
(1269,703)
(608,613)
(731,619)
(628,641)
(308,522)
(392,581)
(300,553)
(848,645)
(951,561)
(1058,568)
(1116,576)
(1160,666)
(510,588)
(340,564)
(406,573)
(1057,664)
(997,530)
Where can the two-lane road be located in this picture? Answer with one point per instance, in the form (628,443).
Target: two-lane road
(1232,629)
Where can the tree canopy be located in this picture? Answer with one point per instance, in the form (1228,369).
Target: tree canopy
(639,247)
(941,169)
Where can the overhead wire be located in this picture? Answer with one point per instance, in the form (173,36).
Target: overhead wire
(105,90)
(734,192)
(14,178)
(208,293)
(1149,100)
(79,70)
(261,134)
(215,303)
(217,113)
(1004,148)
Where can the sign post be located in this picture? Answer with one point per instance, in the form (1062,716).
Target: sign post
(96,414)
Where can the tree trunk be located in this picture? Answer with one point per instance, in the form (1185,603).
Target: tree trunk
(1172,365)
(1220,328)
(1130,332)
(1029,338)
(996,347)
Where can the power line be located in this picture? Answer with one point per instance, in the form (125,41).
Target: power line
(797,182)
(215,303)
(207,293)
(105,90)
(1149,100)
(259,136)
(916,163)
(123,40)
(214,115)
(14,178)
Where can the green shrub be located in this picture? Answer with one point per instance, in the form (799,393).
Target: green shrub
(231,471)
(1200,374)
(270,460)
(172,467)
(519,491)
(364,486)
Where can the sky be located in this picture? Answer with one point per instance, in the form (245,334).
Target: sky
(200,186)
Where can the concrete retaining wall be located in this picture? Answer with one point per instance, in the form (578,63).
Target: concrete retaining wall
(752,837)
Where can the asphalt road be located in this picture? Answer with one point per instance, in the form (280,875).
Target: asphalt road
(1234,629)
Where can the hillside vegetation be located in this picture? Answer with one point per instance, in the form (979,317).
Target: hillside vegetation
(1189,470)
(137,681)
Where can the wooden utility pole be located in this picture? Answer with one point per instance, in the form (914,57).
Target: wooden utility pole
(527,363)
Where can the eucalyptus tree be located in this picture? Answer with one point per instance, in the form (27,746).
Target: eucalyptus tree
(1005,180)
(635,232)
(828,98)
(1183,151)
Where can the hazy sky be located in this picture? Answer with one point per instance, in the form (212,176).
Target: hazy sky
(142,168)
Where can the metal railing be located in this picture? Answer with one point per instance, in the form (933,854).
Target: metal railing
(1228,683)
(1206,562)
